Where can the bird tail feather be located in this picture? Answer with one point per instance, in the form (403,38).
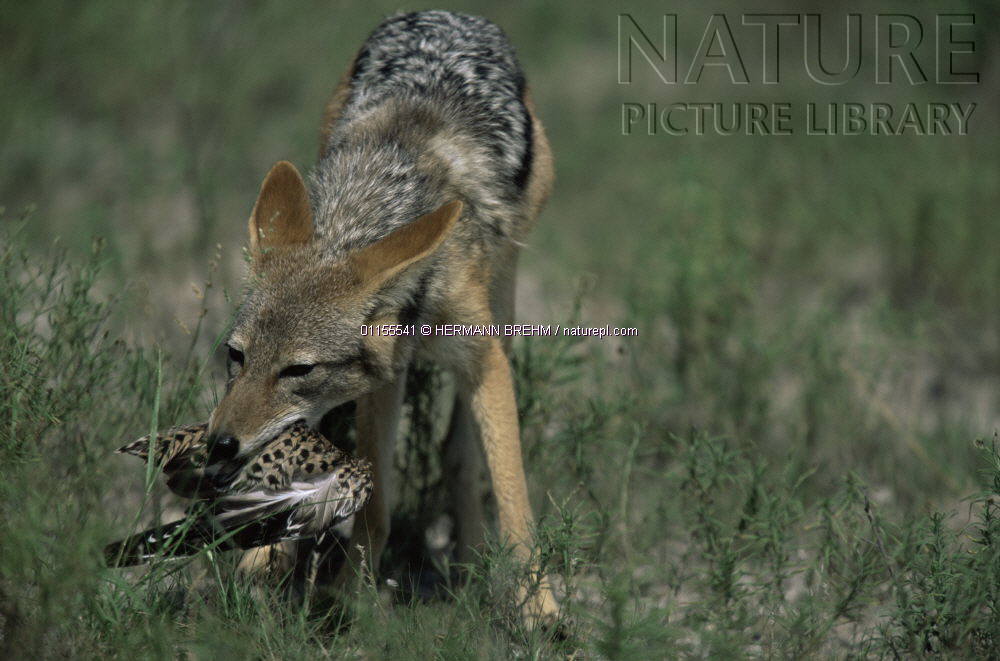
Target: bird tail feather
(177,539)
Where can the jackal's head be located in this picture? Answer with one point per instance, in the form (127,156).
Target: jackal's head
(296,349)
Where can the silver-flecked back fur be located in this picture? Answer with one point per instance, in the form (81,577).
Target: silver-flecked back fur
(434,110)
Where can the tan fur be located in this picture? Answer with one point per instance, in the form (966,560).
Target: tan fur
(384,259)
(543,170)
(494,407)
(247,408)
(281,216)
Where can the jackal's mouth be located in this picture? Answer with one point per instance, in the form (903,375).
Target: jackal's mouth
(269,433)
(300,422)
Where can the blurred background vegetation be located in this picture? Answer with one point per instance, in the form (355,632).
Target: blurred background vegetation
(758,472)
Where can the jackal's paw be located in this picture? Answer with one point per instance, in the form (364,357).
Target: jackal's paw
(539,607)
(267,562)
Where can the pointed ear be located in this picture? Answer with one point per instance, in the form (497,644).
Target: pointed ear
(410,243)
(282,216)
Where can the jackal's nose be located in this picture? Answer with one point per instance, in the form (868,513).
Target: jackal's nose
(221,448)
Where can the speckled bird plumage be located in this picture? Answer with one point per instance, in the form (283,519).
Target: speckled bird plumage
(298,485)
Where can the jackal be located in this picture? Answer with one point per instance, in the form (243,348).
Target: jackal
(432,168)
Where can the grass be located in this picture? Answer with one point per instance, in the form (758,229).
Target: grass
(796,457)
(735,553)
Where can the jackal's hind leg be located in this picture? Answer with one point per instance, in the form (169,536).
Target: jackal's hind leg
(490,393)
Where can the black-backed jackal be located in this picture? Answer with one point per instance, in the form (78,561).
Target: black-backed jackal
(432,168)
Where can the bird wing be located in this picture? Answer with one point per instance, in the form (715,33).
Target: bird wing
(182,453)
(304,502)
(180,538)
(289,490)
(260,517)
(173,446)
(298,485)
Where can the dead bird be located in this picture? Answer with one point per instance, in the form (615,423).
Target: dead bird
(298,485)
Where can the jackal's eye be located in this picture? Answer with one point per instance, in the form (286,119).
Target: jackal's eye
(296,370)
(236,356)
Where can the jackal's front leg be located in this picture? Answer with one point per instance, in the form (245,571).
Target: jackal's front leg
(377,421)
(494,408)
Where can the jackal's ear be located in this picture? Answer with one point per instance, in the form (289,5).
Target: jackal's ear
(410,243)
(281,216)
